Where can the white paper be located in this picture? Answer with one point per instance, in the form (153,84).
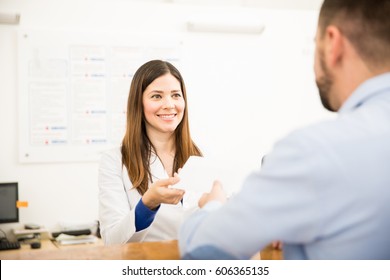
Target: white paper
(48,109)
(197,177)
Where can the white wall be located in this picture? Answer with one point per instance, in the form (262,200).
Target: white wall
(66,193)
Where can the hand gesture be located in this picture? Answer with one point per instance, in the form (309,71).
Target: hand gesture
(277,245)
(216,193)
(161,192)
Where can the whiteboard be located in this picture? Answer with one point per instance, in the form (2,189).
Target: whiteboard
(245,91)
(73,90)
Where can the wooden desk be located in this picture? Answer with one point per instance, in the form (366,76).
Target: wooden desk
(163,250)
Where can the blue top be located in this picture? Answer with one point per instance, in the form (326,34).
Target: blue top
(324,191)
(143,216)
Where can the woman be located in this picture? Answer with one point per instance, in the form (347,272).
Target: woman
(137,199)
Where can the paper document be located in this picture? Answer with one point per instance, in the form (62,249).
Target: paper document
(197,177)
(65,239)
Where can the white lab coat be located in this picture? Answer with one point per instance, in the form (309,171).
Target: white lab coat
(118,199)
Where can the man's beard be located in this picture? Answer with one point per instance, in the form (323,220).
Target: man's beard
(324,84)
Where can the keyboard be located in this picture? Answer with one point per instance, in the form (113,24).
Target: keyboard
(9,245)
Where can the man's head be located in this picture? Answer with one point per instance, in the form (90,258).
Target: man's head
(352,45)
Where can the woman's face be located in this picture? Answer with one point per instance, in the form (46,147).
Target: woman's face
(163,105)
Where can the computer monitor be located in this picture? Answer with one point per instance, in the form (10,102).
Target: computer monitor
(9,213)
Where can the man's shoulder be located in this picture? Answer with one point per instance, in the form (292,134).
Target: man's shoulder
(319,132)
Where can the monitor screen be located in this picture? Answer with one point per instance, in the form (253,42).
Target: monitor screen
(9,213)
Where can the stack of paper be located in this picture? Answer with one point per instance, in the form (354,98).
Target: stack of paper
(65,239)
(23,234)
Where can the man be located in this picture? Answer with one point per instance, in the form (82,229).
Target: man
(324,191)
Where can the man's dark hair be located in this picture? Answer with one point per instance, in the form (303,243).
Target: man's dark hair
(366,24)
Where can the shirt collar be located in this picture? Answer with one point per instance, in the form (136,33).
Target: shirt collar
(366,90)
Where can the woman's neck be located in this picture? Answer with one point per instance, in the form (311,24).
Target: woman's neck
(163,143)
(164,147)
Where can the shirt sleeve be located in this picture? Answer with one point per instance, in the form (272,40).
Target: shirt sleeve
(116,214)
(143,216)
(278,202)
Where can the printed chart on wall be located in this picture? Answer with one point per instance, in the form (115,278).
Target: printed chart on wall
(73,90)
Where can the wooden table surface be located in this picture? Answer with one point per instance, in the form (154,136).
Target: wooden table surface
(162,250)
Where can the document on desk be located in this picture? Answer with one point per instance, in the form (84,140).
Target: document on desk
(197,177)
(65,239)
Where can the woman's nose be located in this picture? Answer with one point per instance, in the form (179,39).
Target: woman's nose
(168,103)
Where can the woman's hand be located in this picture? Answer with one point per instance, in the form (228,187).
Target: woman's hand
(161,192)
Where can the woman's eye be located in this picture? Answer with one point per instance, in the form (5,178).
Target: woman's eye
(176,95)
(156,96)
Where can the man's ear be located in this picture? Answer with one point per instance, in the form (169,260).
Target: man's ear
(334,46)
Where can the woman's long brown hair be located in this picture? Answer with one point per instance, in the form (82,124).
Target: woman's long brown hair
(136,146)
